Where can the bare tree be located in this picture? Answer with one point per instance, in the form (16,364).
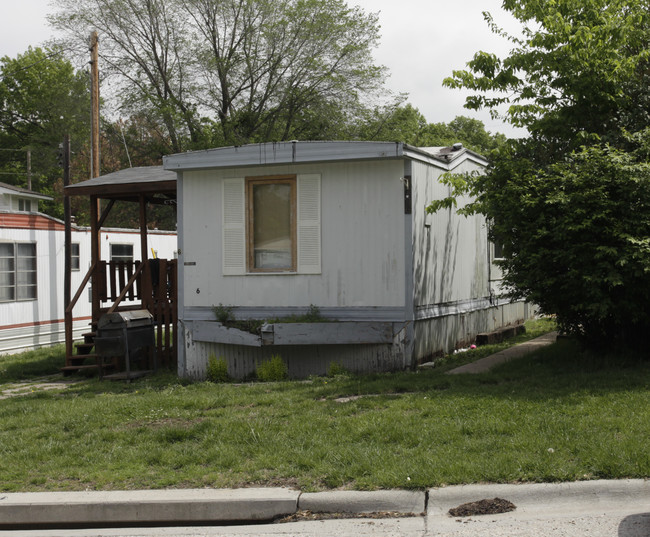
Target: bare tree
(250,70)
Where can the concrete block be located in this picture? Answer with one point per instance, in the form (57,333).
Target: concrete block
(154,507)
(350,501)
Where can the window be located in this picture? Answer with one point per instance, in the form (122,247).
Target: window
(24,205)
(17,271)
(74,256)
(271,224)
(121,252)
(498,250)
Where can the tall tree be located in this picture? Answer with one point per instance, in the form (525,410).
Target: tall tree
(144,52)
(231,71)
(42,98)
(571,202)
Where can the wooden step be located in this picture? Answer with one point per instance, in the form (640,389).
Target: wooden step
(83,349)
(70,369)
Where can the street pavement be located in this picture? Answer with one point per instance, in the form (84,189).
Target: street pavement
(591,508)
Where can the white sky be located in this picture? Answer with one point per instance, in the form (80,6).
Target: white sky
(423,41)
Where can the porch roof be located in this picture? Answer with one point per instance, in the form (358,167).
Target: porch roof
(128,184)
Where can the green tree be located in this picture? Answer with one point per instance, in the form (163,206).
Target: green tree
(407,124)
(570,203)
(233,71)
(42,98)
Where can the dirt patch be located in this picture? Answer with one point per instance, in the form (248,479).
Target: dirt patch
(483,507)
(54,382)
(308,515)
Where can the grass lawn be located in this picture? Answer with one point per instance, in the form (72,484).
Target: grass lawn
(559,414)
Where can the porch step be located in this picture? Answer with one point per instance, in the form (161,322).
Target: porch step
(70,369)
(83,349)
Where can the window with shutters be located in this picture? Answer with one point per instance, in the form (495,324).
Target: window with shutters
(271,224)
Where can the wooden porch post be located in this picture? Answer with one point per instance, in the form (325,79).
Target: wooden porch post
(147,291)
(95,254)
(143,229)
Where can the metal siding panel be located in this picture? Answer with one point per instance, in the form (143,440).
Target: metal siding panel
(362,230)
(450,250)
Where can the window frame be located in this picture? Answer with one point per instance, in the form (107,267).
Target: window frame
(250,183)
(16,271)
(121,258)
(75,267)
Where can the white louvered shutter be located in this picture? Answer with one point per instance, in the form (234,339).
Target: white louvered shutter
(309,235)
(234,226)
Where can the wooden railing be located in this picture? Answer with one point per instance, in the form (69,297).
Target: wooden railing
(153,284)
(68,318)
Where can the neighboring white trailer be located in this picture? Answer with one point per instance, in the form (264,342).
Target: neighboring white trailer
(32,275)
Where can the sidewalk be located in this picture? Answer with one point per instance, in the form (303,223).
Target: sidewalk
(244,506)
(517,351)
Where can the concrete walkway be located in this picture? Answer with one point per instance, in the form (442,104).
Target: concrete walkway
(245,506)
(517,351)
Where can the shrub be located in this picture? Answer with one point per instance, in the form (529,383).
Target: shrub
(334,369)
(272,370)
(217,369)
(224,314)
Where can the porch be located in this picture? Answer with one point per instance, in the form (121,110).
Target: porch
(148,284)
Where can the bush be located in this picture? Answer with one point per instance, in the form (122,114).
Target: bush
(334,369)
(272,370)
(224,314)
(217,369)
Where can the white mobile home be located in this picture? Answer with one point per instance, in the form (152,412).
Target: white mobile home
(32,269)
(270,230)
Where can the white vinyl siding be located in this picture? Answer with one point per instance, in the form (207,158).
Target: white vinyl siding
(234,243)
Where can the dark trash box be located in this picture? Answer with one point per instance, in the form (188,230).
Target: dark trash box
(129,336)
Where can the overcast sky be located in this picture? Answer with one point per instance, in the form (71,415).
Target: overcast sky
(422,42)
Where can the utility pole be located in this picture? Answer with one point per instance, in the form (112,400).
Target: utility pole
(29,168)
(94,95)
(68,226)
(95,208)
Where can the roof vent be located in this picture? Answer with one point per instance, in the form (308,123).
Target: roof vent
(457,147)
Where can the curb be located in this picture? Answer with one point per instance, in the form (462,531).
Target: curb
(147,507)
(530,497)
(95,509)
(190,506)
(350,501)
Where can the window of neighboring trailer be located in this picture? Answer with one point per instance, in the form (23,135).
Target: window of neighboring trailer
(121,252)
(17,271)
(75,259)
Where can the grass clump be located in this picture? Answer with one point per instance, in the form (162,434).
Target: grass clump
(224,314)
(334,369)
(217,370)
(272,370)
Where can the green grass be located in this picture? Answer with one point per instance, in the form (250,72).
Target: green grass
(28,365)
(557,415)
